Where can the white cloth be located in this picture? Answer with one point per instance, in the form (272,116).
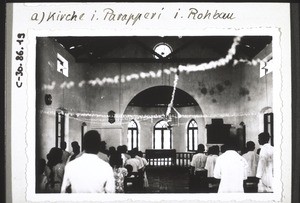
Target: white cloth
(199,161)
(210,165)
(252,160)
(265,169)
(231,168)
(103,156)
(135,163)
(88,174)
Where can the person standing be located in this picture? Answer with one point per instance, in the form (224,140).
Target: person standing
(54,170)
(198,174)
(251,158)
(199,160)
(88,173)
(231,168)
(265,168)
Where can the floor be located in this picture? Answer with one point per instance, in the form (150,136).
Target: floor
(168,180)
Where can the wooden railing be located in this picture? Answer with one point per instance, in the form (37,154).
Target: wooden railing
(167,158)
(184,159)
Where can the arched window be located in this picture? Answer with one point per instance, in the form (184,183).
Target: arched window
(192,132)
(132,135)
(162,136)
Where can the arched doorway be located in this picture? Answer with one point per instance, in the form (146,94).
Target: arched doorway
(148,108)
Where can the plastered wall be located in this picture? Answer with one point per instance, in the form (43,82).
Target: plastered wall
(235,94)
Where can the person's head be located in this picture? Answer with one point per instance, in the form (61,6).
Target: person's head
(91,142)
(263,138)
(129,169)
(231,144)
(63,145)
(201,148)
(210,150)
(216,150)
(125,148)
(119,149)
(54,156)
(132,153)
(102,146)
(250,146)
(115,159)
(111,150)
(223,148)
(75,147)
(140,154)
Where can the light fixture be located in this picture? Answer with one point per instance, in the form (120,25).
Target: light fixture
(163,49)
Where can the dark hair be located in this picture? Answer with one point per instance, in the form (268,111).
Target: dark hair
(115,159)
(74,144)
(54,157)
(250,146)
(91,142)
(129,169)
(140,154)
(63,145)
(201,148)
(263,138)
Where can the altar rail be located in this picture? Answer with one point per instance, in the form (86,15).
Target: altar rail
(168,157)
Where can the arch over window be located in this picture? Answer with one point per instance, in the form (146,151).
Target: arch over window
(192,132)
(132,135)
(162,138)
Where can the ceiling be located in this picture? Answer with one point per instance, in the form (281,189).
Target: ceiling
(140,50)
(112,49)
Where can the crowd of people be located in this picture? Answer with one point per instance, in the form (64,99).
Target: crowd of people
(97,169)
(94,170)
(230,171)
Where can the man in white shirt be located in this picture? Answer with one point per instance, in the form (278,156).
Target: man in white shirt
(134,162)
(231,168)
(265,164)
(199,159)
(88,173)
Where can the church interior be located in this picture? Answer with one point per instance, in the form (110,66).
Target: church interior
(163,95)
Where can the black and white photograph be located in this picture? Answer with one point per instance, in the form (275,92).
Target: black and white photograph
(138,104)
(165,110)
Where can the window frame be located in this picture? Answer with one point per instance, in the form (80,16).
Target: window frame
(132,129)
(162,129)
(269,122)
(194,148)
